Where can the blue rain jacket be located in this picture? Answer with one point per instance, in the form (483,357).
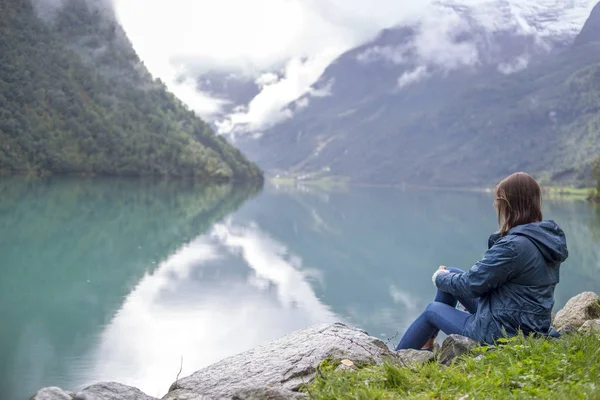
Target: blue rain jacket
(514,282)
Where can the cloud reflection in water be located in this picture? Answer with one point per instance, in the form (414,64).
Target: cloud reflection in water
(222,294)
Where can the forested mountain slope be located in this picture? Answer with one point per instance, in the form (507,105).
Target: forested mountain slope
(469,126)
(75,98)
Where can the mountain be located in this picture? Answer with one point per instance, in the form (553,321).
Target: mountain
(460,106)
(591,29)
(75,98)
(554,21)
(546,25)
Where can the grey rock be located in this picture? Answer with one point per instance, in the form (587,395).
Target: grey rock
(268,393)
(111,391)
(578,310)
(101,391)
(566,329)
(286,363)
(194,396)
(455,346)
(52,393)
(590,326)
(414,357)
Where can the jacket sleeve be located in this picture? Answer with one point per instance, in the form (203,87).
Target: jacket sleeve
(492,271)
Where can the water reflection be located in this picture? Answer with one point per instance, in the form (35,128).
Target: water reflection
(220,295)
(117,280)
(71,250)
(377,248)
(595,223)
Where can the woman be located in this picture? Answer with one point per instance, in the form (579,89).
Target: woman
(512,288)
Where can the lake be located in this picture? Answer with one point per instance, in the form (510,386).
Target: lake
(125,280)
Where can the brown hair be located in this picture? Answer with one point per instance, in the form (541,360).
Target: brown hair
(518,200)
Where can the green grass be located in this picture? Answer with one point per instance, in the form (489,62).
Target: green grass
(525,368)
(283,181)
(329,182)
(567,193)
(326,183)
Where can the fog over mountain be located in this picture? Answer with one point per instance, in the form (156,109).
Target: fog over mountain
(48,9)
(248,66)
(436,92)
(76,99)
(404,109)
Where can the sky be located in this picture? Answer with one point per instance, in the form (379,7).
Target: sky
(295,39)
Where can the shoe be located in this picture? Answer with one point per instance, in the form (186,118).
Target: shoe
(429,346)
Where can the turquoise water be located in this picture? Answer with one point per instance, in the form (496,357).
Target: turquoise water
(121,280)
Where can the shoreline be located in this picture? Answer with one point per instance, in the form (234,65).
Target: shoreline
(339,359)
(327,184)
(40,175)
(552,192)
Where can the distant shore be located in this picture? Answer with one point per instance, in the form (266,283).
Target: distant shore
(336,183)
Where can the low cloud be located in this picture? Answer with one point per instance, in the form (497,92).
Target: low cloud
(199,102)
(437,42)
(269,106)
(393,54)
(516,65)
(414,76)
(284,46)
(266,79)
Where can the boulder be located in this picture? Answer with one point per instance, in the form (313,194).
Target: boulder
(101,391)
(287,363)
(53,393)
(566,329)
(455,346)
(268,393)
(414,357)
(590,326)
(578,310)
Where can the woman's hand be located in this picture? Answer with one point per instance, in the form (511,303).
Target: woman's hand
(441,270)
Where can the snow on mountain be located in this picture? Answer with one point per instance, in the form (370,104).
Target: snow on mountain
(456,33)
(550,19)
(449,35)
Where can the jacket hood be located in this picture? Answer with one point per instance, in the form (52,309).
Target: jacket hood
(548,237)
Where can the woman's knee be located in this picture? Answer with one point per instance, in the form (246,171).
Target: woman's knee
(437,307)
(445,317)
(429,307)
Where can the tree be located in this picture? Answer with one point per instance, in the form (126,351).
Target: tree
(74,99)
(596,175)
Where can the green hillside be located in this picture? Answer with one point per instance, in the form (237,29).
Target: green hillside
(75,98)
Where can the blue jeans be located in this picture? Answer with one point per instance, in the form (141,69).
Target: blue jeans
(439,315)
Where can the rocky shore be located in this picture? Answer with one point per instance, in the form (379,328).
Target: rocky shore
(278,370)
